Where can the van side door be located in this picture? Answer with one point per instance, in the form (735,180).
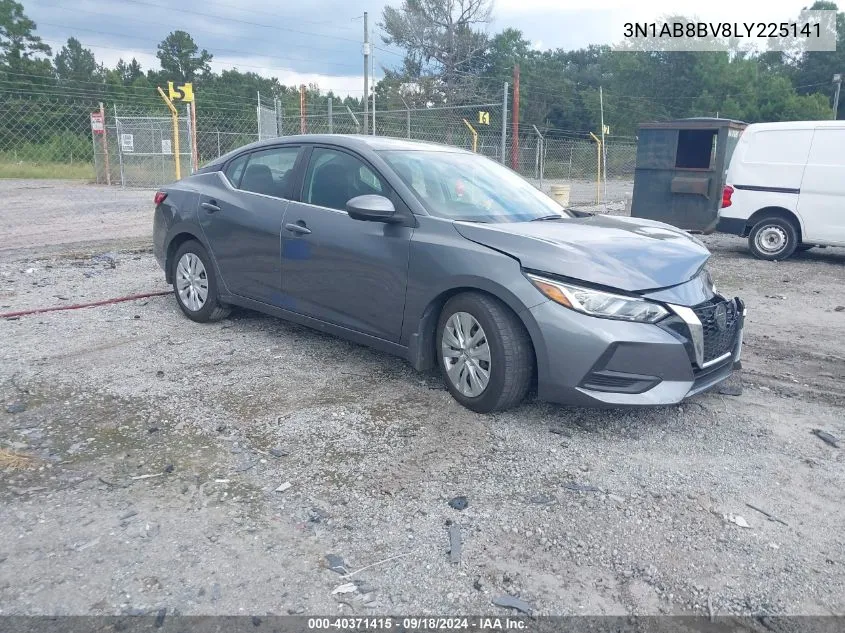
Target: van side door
(821,203)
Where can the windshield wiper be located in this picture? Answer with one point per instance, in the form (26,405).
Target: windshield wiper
(548,217)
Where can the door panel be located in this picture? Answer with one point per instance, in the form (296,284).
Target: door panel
(243,227)
(821,203)
(348,272)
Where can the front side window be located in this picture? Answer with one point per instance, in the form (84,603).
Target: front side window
(333,178)
(269,171)
(461,186)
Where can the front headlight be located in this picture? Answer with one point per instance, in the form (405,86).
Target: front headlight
(599,303)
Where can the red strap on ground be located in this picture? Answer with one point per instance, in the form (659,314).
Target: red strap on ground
(77,306)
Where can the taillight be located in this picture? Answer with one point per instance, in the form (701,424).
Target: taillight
(727,192)
(160,196)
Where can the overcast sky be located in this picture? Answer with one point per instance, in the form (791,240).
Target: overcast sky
(319,40)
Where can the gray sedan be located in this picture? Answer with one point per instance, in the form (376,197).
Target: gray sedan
(447,258)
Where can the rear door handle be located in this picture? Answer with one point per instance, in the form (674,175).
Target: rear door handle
(210,207)
(299,227)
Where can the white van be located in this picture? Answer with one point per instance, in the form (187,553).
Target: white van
(786,187)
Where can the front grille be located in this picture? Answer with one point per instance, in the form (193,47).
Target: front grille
(720,323)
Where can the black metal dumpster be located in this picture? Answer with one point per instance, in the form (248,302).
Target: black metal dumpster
(680,172)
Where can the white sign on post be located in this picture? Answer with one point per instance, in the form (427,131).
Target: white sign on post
(127,142)
(166,147)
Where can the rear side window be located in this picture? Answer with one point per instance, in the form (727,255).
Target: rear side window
(269,171)
(236,169)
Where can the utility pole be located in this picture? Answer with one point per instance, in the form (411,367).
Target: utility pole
(837,79)
(515,125)
(505,124)
(366,72)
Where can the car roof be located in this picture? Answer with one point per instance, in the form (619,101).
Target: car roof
(349,141)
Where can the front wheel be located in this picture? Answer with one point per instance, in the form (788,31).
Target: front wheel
(773,239)
(485,355)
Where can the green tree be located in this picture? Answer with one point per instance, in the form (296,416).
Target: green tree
(181,59)
(814,70)
(19,46)
(75,63)
(129,73)
(442,39)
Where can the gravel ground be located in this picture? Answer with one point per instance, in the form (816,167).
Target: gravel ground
(145,457)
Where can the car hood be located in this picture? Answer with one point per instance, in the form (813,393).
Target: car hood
(626,253)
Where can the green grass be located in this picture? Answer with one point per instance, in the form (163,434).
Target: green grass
(64,171)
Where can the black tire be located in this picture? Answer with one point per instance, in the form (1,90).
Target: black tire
(511,352)
(212,309)
(784,244)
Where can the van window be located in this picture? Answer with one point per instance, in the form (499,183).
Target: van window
(827,147)
(779,146)
(696,149)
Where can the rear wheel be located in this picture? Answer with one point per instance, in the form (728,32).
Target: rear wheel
(194,284)
(773,239)
(485,355)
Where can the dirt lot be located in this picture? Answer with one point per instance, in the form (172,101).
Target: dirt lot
(143,454)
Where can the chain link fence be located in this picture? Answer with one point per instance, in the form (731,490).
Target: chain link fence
(55,137)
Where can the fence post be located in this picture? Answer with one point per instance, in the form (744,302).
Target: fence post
(258,112)
(408,122)
(280,116)
(331,117)
(538,161)
(119,147)
(504,123)
(106,141)
(218,143)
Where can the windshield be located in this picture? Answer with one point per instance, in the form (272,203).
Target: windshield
(469,187)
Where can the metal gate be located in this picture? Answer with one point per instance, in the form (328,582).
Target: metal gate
(145,149)
(268,119)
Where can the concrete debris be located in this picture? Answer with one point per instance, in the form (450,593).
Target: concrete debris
(580,487)
(454,544)
(284,486)
(336,564)
(826,437)
(459,503)
(736,520)
(510,602)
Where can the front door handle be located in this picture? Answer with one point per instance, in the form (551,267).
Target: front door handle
(299,227)
(211,207)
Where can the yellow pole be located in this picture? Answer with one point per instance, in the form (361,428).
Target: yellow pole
(175,116)
(474,136)
(598,167)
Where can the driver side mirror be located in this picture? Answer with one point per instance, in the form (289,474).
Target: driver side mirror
(371,208)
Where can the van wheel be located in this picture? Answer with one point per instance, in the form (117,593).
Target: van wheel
(773,239)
